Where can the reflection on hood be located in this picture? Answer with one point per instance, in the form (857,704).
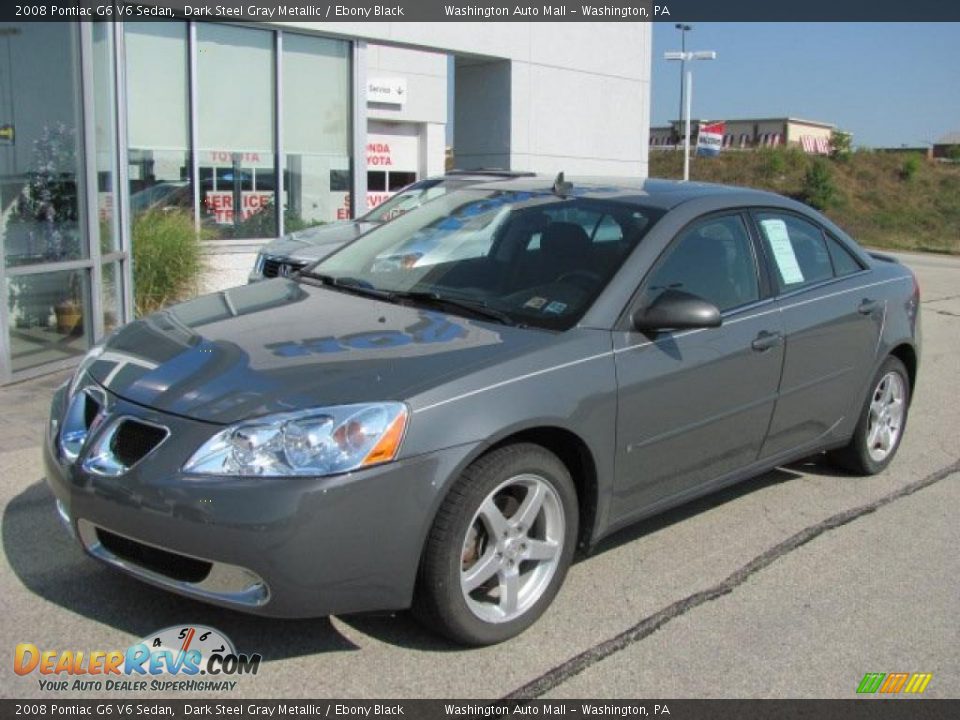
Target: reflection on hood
(278,346)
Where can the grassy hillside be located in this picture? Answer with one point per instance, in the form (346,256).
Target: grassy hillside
(887,200)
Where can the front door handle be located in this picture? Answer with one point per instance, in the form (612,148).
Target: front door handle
(868,306)
(766,340)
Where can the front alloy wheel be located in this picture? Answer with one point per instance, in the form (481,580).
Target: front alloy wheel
(512,548)
(500,546)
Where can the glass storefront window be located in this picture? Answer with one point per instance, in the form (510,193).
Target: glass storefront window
(39,144)
(316,113)
(235,121)
(204,151)
(158,118)
(48,313)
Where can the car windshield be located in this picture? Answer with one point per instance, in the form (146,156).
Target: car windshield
(524,258)
(413,196)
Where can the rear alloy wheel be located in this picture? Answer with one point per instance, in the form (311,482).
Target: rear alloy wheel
(500,546)
(881,424)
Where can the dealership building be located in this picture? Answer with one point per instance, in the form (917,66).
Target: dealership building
(110,132)
(811,136)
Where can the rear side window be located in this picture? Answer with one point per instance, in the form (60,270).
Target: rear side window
(844,263)
(797,249)
(712,259)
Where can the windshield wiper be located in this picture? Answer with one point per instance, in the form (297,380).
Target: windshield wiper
(349,284)
(476,307)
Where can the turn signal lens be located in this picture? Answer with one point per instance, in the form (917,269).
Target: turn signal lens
(389,444)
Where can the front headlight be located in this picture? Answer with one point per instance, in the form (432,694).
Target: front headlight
(316,442)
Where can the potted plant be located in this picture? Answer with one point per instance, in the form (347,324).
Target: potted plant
(69,309)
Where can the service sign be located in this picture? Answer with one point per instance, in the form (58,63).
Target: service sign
(387,90)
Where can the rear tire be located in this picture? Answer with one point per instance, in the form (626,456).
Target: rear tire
(882,422)
(499,548)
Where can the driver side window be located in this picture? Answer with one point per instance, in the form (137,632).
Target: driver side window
(712,259)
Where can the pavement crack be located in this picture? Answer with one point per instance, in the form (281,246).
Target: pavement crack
(939,299)
(650,624)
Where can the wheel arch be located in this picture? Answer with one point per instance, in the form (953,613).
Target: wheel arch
(907,354)
(576,456)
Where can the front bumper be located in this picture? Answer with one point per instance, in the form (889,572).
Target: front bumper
(282,547)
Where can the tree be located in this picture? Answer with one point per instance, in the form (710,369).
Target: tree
(840,143)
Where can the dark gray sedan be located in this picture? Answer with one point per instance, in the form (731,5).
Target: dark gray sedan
(445,435)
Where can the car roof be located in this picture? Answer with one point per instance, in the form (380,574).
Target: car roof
(485,175)
(648,192)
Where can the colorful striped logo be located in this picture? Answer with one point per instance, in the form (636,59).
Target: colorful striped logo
(892,683)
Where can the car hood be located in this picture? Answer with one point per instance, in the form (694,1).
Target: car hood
(281,345)
(317,242)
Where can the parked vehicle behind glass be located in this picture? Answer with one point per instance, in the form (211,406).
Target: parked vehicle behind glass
(370,435)
(296,250)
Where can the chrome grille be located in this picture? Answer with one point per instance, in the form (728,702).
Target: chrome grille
(169,564)
(280,267)
(84,413)
(134,440)
(125,442)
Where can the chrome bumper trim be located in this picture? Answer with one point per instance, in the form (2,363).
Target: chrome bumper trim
(225,583)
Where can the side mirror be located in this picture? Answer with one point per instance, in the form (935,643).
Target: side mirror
(676,310)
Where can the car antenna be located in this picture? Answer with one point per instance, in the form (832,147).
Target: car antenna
(561,187)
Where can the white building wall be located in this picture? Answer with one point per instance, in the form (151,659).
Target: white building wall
(425,73)
(579,92)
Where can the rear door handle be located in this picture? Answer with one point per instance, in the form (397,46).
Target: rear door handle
(766,340)
(868,307)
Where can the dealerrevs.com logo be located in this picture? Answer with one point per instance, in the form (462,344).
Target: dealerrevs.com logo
(191,658)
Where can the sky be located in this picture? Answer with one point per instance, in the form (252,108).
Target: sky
(890,84)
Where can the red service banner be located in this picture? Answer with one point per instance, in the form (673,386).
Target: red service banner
(219,204)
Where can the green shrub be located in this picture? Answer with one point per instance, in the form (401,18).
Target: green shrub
(774,162)
(910,167)
(166,258)
(818,189)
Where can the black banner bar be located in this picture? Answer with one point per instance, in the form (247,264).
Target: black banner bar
(485,10)
(125,708)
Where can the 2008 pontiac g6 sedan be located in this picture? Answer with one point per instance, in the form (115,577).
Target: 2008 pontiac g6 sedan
(372,434)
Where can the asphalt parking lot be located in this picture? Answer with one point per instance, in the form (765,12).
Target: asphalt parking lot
(794,584)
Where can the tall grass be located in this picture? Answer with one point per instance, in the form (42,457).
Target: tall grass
(166,258)
(889,200)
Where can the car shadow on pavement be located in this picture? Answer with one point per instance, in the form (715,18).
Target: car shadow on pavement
(690,509)
(50,564)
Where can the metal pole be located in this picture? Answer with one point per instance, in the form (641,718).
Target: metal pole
(683,69)
(686,136)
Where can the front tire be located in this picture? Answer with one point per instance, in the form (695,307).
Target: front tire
(882,422)
(500,546)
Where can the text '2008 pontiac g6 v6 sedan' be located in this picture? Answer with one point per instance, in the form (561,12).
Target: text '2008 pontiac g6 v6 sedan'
(563,359)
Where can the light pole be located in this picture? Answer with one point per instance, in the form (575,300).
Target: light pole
(684,29)
(683,57)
